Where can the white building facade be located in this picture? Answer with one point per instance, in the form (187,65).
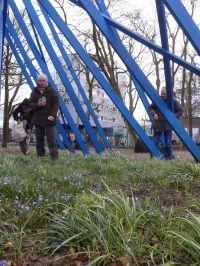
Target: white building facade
(106,112)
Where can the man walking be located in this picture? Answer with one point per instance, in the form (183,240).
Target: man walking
(160,125)
(44,101)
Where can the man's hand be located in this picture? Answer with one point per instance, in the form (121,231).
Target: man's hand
(50,118)
(41,102)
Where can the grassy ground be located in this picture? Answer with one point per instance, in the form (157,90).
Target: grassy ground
(109,209)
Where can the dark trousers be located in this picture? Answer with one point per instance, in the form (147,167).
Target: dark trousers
(24,146)
(167,142)
(50,132)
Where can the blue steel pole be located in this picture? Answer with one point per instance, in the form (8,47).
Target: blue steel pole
(152,45)
(3,14)
(185,21)
(165,45)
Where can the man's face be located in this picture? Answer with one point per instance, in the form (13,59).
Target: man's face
(164,95)
(42,82)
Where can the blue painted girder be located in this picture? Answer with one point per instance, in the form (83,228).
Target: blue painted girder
(152,45)
(185,21)
(165,45)
(3,13)
(19,60)
(102,7)
(134,69)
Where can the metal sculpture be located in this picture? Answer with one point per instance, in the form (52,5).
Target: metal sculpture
(110,28)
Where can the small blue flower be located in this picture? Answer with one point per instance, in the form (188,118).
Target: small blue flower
(2,262)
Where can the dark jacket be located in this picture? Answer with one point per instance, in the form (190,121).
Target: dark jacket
(161,124)
(23,112)
(41,113)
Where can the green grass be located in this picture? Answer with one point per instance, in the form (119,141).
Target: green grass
(99,209)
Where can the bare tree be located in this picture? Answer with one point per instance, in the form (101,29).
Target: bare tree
(11,82)
(183,79)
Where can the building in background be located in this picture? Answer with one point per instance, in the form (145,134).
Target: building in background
(107,114)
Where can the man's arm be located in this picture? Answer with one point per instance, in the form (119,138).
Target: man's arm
(178,110)
(33,101)
(55,104)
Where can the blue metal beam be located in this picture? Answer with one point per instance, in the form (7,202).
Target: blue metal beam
(17,57)
(36,38)
(185,21)
(152,45)
(134,69)
(3,14)
(165,45)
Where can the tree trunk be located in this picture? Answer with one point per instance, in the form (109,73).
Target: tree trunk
(190,115)
(6,102)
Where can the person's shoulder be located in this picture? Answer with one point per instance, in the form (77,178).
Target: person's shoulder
(34,90)
(54,91)
(176,102)
(16,108)
(26,101)
(50,88)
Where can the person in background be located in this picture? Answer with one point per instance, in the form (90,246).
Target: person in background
(24,113)
(44,100)
(197,138)
(160,125)
(73,142)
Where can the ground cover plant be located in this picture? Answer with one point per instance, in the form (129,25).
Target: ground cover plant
(108,209)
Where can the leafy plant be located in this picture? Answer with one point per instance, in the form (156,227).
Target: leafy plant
(189,235)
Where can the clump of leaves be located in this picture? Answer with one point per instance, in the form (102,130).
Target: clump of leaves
(110,227)
(188,235)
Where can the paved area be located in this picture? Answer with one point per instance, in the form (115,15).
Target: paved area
(184,155)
